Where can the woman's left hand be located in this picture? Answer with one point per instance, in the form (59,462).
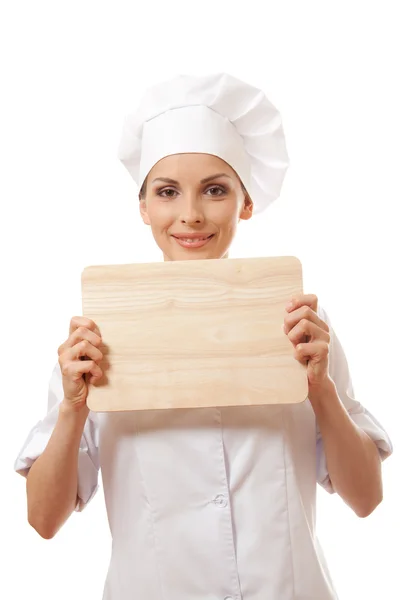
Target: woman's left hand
(310,337)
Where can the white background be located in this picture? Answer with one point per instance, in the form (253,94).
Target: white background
(70,71)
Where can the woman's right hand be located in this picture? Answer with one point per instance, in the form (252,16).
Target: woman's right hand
(84,341)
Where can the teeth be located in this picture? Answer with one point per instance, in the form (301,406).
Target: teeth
(192,240)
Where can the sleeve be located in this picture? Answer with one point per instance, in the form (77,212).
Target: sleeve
(37,440)
(339,372)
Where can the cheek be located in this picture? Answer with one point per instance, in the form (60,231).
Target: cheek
(226,213)
(228,219)
(159,215)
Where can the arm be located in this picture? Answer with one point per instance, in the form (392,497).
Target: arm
(351,443)
(60,455)
(353,460)
(52,482)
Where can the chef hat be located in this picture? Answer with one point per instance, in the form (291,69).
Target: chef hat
(215,114)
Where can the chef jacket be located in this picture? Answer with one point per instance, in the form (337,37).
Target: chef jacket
(210,503)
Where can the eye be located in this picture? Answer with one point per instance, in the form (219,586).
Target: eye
(166,193)
(216,190)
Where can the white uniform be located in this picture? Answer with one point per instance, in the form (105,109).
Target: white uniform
(210,504)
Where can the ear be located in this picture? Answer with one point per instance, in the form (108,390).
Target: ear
(143,211)
(247,208)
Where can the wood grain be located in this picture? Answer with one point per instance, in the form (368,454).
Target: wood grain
(197,333)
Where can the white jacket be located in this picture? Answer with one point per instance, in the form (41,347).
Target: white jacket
(210,504)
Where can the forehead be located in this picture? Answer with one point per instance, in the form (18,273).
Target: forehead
(190,166)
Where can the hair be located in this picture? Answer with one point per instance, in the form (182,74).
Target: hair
(142,193)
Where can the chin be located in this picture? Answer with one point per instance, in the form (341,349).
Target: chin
(190,255)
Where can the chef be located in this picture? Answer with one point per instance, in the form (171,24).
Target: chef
(211,503)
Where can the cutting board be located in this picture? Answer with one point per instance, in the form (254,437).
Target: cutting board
(195,333)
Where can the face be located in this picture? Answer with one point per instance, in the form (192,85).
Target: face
(193,204)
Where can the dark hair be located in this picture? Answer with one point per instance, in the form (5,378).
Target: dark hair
(142,192)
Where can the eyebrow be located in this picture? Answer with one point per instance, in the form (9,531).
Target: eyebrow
(206,180)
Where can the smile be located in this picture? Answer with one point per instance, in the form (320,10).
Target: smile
(193,241)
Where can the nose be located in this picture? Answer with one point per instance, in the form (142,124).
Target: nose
(191,211)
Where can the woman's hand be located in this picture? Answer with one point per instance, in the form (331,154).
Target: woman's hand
(310,337)
(77,356)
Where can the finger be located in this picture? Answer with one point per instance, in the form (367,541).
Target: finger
(312,350)
(83,349)
(305,331)
(298,300)
(304,312)
(75,369)
(93,378)
(80,334)
(83,322)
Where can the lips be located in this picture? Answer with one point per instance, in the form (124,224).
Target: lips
(192,240)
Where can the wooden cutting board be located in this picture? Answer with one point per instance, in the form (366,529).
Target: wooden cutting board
(194,333)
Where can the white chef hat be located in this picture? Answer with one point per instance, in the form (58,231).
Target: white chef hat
(215,114)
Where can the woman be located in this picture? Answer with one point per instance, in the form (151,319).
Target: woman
(207,503)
